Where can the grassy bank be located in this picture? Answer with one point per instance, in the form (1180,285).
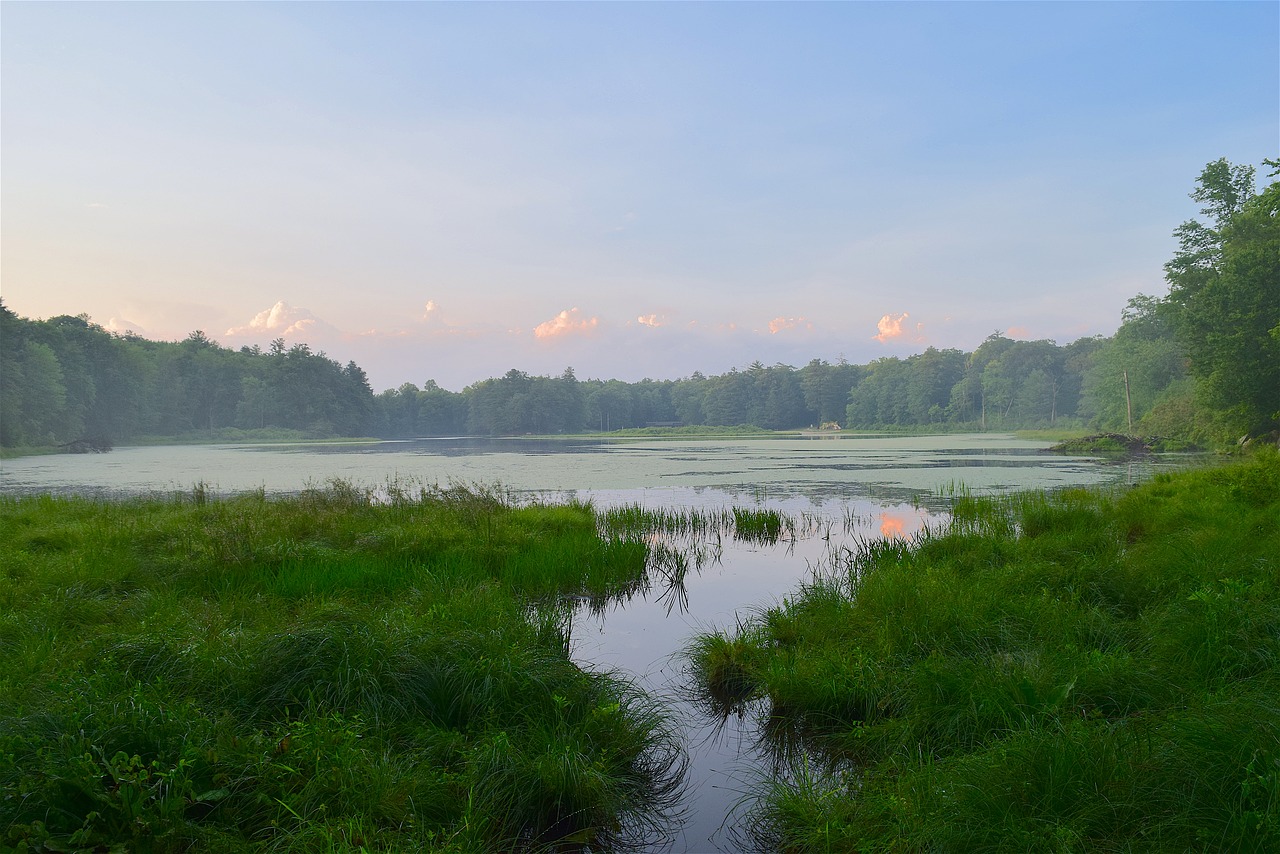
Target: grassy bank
(317,673)
(29,451)
(1080,672)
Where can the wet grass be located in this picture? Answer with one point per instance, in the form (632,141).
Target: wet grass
(1081,671)
(344,670)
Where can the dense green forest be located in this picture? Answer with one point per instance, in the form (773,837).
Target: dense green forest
(1202,363)
(67,379)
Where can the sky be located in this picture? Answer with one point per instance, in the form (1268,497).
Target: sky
(446,191)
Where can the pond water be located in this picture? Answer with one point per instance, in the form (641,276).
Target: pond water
(840,488)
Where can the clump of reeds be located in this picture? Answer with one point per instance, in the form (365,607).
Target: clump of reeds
(759,525)
(722,666)
(756,525)
(684,522)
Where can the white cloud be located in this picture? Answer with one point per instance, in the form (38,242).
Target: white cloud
(281,321)
(653,320)
(121,326)
(890,327)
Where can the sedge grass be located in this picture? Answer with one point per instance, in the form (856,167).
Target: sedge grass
(343,670)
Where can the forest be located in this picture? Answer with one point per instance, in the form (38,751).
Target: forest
(1201,364)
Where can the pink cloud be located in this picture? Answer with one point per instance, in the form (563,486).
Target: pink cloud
(568,322)
(780,323)
(890,327)
(1018,332)
(654,320)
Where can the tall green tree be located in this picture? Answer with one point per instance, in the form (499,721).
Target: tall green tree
(826,389)
(687,397)
(727,399)
(609,405)
(778,399)
(968,400)
(1225,282)
(930,377)
(442,412)
(878,399)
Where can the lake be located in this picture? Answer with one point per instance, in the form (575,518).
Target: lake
(840,488)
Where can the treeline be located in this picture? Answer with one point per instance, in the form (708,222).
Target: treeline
(1004,384)
(68,380)
(1202,363)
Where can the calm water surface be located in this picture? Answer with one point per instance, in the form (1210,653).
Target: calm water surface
(818,468)
(842,488)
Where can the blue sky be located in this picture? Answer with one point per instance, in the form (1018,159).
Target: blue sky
(450,190)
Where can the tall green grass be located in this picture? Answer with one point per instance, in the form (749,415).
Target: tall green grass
(753,525)
(345,670)
(1079,671)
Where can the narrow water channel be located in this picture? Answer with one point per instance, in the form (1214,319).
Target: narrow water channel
(644,637)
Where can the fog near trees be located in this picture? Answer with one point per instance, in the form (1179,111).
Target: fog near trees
(1202,364)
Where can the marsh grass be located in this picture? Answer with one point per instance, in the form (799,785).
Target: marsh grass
(758,525)
(1078,671)
(348,669)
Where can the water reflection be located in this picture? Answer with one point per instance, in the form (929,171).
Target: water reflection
(711,559)
(891,526)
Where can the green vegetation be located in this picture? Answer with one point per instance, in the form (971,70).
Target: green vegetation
(693,526)
(344,670)
(1081,671)
(1121,445)
(67,380)
(1224,297)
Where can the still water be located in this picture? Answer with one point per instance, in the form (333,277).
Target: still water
(841,488)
